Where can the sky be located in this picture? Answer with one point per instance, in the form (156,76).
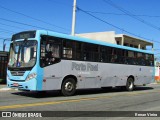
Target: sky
(137,18)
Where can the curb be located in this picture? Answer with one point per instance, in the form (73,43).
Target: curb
(7,89)
(1,89)
(153,83)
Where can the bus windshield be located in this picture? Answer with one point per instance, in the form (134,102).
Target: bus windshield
(23,54)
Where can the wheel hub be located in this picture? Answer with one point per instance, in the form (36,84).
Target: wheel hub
(68,86)
(130,85)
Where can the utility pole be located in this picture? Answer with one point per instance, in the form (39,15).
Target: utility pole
(73,18)
(4,45)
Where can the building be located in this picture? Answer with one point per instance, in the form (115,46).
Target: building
(120,39)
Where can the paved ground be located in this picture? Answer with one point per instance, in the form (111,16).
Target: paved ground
(142,99)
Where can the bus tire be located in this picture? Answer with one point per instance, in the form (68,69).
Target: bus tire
(130,84)
(68,87)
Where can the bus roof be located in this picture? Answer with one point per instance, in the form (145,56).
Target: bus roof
(76,38)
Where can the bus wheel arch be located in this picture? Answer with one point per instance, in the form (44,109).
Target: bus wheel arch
(68,86)
(130,83)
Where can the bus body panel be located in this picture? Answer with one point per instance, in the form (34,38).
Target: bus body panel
(52,77)
(106,75)
(34,84)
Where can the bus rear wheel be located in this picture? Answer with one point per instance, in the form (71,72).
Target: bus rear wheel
(130,84)
(68,87)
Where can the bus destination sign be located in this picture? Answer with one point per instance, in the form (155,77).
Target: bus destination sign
(24,35)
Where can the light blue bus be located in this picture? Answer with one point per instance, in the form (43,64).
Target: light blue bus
(42,60)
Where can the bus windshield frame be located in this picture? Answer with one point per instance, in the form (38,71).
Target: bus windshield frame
(23,55)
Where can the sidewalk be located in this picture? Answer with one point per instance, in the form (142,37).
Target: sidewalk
(3,87)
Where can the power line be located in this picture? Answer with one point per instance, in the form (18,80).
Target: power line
(9,31)
(88,12)
(32,18)
(4,32)
(62,3)
(113,24)
(11,26)
(98,12)
(131,15)
(2,38)
(25,24)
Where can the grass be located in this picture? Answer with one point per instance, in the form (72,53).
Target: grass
(2,81)
(158,82)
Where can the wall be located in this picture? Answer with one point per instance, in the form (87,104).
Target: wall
(100,36)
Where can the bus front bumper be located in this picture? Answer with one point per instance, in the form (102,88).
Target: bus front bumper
(26,85)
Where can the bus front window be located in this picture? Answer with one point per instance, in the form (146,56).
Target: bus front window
(23,54)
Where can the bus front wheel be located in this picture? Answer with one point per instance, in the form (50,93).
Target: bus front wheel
(130,84)
(68,87)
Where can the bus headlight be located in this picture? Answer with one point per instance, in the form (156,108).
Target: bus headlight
(31,76)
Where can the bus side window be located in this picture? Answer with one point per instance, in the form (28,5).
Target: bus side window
(90,52)
(67,49)
(103,54)
(110,53)
(50,51)
(151,60)
(78,51)
(42,59)
(131,57)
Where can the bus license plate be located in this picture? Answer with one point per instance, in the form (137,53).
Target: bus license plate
(15,84)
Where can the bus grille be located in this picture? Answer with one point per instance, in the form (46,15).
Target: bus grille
(17,73)
(18,80)
(19,86)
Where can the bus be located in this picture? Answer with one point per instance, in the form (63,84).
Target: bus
(41,60)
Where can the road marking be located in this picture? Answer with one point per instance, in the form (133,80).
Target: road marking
(139,93)
(69,101)
(50,103)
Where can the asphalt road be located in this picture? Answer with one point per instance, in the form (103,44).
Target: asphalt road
(85,103)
